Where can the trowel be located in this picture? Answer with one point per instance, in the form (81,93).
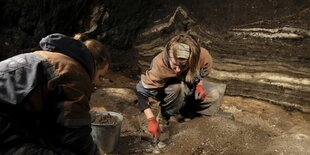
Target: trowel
(157,144)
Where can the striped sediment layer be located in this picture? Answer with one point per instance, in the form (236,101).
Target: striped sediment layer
(266,73)
(267,64)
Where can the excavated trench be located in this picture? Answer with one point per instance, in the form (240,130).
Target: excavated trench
(260,50)
(267,85)
(254,126)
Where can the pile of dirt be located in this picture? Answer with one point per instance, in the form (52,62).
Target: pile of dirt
(105,119)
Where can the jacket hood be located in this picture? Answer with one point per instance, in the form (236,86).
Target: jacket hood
(73,48)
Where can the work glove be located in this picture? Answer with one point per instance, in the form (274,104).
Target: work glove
(200,93)
(153,127)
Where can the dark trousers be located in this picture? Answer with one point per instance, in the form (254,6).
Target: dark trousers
(179,98)
(20,136)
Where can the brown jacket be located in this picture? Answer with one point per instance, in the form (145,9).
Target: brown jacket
(160,71)
(74,83)
(46,94)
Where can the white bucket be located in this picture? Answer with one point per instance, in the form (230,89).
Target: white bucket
(106,136)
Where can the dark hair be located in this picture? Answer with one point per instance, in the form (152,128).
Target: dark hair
(98,51)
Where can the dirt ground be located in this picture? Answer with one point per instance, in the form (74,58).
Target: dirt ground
(254,127)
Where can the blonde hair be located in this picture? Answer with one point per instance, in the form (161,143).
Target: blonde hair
(194,53)
(98,51)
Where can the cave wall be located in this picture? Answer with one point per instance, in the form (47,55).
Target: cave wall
(114,22)
(260,47)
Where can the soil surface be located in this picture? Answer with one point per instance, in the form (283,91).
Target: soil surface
(253,126)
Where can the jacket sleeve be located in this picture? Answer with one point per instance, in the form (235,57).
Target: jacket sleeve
(158,74)
(205,66)
(68,106)
(143,94)
(76,118)
(19,75)
(66,121)
(206,62)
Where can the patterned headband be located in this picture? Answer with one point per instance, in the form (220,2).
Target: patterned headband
(182,51)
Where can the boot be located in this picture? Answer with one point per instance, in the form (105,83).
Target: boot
(179,118)
(163,120)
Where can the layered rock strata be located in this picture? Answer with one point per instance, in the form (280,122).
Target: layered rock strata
(266,63)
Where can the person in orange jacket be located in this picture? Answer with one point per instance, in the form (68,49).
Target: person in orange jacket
(45,94)
(176,79)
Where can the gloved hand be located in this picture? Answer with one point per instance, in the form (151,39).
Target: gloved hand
(153,127)
(200,93)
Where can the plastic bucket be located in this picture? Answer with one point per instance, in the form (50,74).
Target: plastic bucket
(106,136)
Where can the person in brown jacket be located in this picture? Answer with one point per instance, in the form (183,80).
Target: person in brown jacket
(176,79)
(44,97)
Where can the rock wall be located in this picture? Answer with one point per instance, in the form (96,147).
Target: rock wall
(114,22)
(266,58)
(260,47)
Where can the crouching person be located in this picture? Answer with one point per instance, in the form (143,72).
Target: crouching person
(176,78)
(44,97)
